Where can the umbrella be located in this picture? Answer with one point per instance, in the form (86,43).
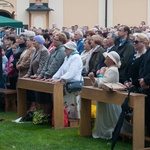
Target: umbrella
(125,110)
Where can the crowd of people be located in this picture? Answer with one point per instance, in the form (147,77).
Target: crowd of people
(116,54)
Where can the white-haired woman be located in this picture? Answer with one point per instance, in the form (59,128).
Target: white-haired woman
(70,71)
(106,114)
(134,63)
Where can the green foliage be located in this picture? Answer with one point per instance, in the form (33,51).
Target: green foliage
(27,136)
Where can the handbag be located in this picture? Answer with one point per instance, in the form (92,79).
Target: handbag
(74,86)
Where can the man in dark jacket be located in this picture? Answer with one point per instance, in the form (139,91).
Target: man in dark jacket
(124,48)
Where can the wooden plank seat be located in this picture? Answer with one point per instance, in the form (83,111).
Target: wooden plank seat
(10,98)
(124,134)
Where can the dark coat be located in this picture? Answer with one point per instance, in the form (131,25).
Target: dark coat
(125,51)
(132,69)
(17,53)
(145,68)
(96,57)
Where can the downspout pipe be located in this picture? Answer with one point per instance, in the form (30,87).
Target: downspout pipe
(106,5)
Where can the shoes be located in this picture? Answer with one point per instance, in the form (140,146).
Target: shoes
(1,119)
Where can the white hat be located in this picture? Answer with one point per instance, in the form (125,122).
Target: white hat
(71,45)
(114,56)
(28,33)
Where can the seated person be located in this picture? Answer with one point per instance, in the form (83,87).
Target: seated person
(106,114)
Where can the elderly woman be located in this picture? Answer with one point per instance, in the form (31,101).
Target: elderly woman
(70,71)
(107,114)
(86,54)
(37,62)
(24,62)
(133,69)
(134,63)
(96,56)
(52,64)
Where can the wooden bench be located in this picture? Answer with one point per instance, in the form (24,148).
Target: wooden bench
(124,134)
(137,102)
(41,86)
(10,98)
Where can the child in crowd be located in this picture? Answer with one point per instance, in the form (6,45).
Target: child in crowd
(11,72)
(4,64)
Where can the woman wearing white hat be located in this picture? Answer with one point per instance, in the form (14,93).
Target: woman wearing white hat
(70,71)
(107,114)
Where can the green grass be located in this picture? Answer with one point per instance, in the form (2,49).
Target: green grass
(26,136)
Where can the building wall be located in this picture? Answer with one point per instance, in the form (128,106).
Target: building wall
(130,12)
(21,13)
(57,15)
(84,12)
(80,12)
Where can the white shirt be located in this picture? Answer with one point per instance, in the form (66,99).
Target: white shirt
(71,69)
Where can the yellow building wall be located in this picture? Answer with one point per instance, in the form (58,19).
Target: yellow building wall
(84,12)
(130,12)
(80,12)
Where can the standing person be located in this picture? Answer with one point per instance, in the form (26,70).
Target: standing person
(51,66)
(22,46)
(4,65)
(96,55)
(11,71)
(70,71)
(9,41)
(106,114)
(144,81)
(134,63)
(47,42)
(23,63)
(86,54)
(111,42)
(37,62)
(124,48)
(78,37)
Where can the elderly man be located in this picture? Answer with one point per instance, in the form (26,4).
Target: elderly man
(78,37)
(111,42)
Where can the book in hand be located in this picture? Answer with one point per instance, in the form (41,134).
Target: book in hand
(114,87)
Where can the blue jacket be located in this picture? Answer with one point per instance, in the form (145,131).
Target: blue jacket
(80,46)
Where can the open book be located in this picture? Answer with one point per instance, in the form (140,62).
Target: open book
(114,87)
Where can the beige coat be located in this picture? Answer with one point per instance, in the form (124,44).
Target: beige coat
(24,61)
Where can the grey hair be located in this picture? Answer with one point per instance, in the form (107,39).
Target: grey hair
(79,32)
(112,35)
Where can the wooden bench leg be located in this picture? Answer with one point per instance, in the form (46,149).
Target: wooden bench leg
(14,103)
(7,103)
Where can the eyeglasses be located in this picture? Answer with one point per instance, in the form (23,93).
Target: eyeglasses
(136,41)
(121,30)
